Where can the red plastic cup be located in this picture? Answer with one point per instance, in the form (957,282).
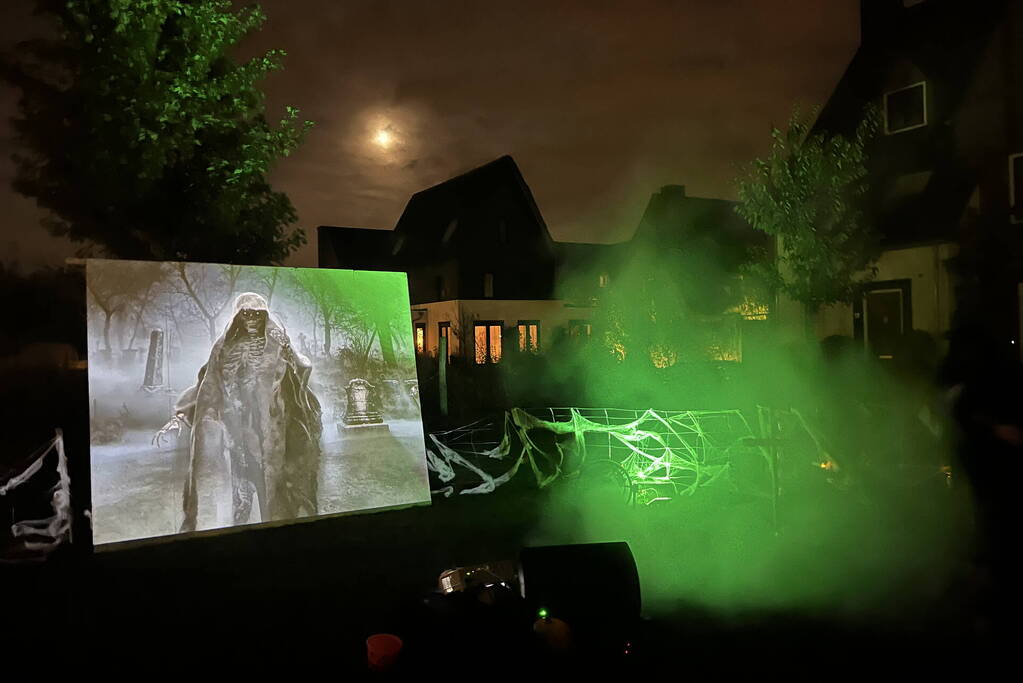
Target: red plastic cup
(382,650)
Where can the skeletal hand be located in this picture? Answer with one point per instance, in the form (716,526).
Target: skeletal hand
(173,425)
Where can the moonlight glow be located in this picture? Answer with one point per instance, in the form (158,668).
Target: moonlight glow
(383,138)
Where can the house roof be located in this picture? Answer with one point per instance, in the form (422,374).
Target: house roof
(355,248)
(450,212)
(435,221)
(673,220)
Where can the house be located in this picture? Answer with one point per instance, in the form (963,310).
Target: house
(481,263)
(485,274)
(945,172)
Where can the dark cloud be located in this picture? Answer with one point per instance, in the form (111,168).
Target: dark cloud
(599,102)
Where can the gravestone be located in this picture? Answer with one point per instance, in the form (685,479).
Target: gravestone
(362,413)
(154,379)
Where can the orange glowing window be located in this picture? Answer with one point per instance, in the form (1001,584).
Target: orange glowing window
(487,337)
(420,337)
(529,336)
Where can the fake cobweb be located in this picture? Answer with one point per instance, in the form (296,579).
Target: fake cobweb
(43,484)
(652,455)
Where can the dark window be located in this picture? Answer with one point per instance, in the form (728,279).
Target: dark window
(905,109)
(444,332)
(487,339)
(529,336)
(1016,186)
(580,328)
(449,231)
(420,332)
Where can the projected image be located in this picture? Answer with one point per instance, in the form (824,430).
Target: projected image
(231,395)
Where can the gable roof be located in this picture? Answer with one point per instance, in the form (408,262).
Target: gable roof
(438,220)
(453,210)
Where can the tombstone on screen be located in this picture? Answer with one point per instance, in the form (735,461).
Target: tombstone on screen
(220,396)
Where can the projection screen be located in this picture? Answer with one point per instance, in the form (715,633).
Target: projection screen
(223,396)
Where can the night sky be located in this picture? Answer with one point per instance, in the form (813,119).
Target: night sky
(600,103)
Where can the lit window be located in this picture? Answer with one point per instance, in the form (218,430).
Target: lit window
(602,280)
(488,286)
(420,337)
(905,108)
(1016,187)
(529,336)
(487,336)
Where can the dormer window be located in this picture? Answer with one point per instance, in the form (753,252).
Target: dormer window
(905,108)
(449,231)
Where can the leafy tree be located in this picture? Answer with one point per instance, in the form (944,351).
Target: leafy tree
(808,193)
(144,138)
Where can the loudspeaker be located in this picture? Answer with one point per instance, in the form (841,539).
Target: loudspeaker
(594,587)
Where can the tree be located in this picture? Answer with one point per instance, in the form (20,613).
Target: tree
(144,138)
(808,193)
(209,298)
(324,296)
(107,293)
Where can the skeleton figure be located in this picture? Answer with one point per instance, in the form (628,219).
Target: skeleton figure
(255,424)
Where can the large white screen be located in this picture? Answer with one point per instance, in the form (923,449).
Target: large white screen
(231,395)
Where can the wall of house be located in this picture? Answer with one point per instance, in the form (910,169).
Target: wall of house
(932,296)
(552,314)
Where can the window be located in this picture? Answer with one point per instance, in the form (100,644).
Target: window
(487,336)
(488,286)
(444,332)
(905,108)
(420,337)
(449,231)
(602,280)
(580,328)
(529,336)
(1016,187)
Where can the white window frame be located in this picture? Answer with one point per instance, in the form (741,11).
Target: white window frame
(887,130)
(1012,190)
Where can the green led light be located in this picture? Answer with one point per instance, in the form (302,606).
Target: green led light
(542,613)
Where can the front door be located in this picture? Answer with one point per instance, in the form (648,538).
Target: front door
(884,324)
(881,315)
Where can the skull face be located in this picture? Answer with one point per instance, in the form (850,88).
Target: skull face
(254,320)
